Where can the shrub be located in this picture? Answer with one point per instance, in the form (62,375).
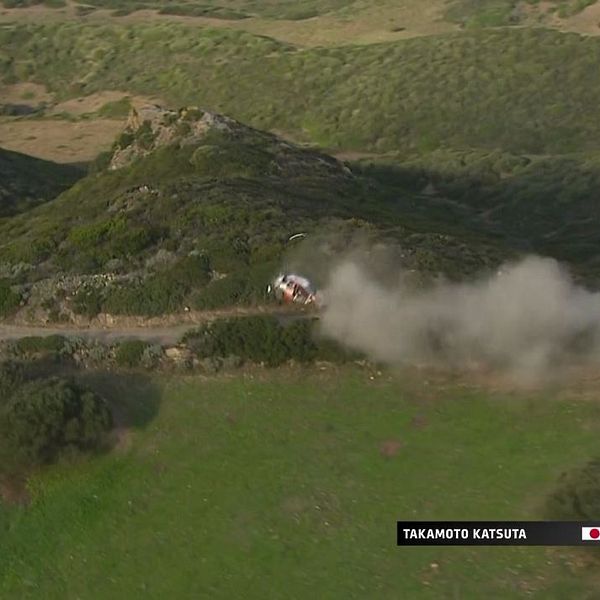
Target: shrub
(9,299)
(577,494)
(144,135)
(221,292)
(37,345)
(298,338)
(263,339)
(151,356)
(44,418)
(255,338)
(130,353)
(108,239)
(11,378)
(230,160)
(100,163)
(125,139)
(88,302)
(161,292)
(115,109)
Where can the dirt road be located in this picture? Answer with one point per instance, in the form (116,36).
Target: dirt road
(165,330)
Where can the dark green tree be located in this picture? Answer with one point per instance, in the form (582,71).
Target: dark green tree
(46,417)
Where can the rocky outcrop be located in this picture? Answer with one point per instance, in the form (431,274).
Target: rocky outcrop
(153,126)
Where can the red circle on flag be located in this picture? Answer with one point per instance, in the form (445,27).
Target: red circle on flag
(594,533)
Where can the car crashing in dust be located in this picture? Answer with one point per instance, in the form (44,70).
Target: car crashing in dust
(290,288)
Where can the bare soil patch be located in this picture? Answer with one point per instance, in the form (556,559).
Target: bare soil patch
(587,21)
(94,102)
(14,492)
(59,140)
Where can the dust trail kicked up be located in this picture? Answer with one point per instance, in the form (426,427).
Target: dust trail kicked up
(527,319)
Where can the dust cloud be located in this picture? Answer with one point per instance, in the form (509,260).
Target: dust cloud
(528,319)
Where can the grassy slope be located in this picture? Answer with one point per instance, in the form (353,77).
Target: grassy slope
(224,9)
(544,204)
(275,485)
(525,90)
(26,181)
(235,197)
(497,13)
(529,92)
(317,22)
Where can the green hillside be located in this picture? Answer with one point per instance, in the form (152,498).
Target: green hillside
(497,13)
(467,13)
(191,207)
(26,181)
(531,91)
(220,9)
(543,204)
(479,135)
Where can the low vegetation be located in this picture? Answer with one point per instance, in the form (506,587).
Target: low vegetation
(40,346)
(264,340)
(541,204)
(227,343)
(43,419)
(577,495)
(498,13)
(9,299)
(525,90)
(130,353)
(191,209)
(525,155)
(221,9)
(283,472)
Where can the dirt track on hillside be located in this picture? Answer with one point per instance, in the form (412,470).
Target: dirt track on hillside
(161,330)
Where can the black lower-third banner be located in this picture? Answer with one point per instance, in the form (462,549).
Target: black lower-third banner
(498,533)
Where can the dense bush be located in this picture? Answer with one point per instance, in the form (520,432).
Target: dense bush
(299,341)
(100,163)
(262,339)
(521,198)
(9,299)
(32,346)
(227,291)
(161,292)
(130,353)
(92,245)
(12,376)
(577,495)
(43,419)
(88,302)
(231,160)
(115,109)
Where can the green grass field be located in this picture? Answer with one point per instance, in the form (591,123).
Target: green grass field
(273,485)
